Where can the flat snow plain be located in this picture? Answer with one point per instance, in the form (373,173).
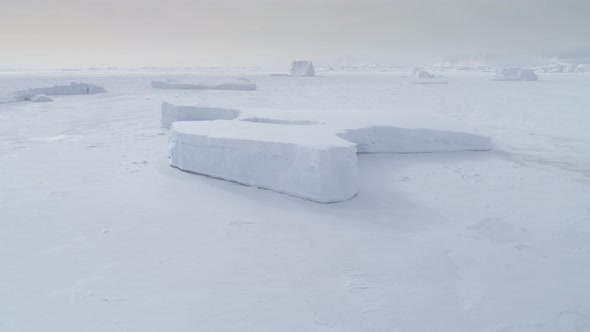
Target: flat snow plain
(99,233)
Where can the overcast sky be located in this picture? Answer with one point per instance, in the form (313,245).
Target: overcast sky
(83,33)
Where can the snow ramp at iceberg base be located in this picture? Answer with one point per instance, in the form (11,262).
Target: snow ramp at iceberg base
(212,84)
(303,161)
(173,113)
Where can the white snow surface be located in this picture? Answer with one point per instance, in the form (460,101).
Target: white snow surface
(303,161)
(98,233)
(302,68)
(435,80)
(217,84)
(173,113)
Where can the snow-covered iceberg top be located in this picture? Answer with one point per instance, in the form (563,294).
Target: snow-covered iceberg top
(515,74)
(210,84)
(303,161)
(418,133)
(42,99)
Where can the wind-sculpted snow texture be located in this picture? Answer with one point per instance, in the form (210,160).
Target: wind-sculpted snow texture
(172,113)
(212,84)
(303,161)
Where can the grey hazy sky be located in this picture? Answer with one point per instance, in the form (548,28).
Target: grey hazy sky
(72,33)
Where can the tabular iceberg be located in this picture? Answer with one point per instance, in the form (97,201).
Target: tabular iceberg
(303,161)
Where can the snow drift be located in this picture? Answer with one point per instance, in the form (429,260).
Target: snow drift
(217,84)
(302,68)
(515,74)
(303,161)
(172,113)
(62,90)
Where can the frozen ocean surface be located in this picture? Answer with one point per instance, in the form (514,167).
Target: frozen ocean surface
(99,233)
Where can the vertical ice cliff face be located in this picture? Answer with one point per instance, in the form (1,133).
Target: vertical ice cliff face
(303,161)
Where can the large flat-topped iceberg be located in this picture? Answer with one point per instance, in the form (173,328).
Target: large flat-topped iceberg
(210,84)
(173,113)
(303,161)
